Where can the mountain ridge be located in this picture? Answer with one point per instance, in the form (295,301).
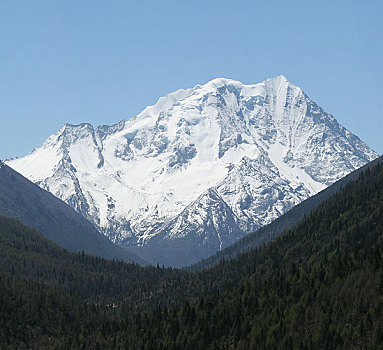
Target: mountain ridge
(263,148)
(282,224)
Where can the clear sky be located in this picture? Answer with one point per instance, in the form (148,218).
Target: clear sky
(102,61)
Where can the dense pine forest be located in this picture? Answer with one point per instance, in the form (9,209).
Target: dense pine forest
(317,286)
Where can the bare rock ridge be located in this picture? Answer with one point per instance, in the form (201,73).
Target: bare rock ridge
(198,170)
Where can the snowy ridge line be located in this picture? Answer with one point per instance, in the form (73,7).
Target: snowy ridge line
(237,156)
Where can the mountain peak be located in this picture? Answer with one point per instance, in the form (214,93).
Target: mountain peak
(70,127)
(279,78)
(261,147)
(276,84)
(218,82)
(279,82)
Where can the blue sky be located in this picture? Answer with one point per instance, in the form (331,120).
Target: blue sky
(103,61)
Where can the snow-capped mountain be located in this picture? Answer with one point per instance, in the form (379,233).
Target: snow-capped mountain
(204,166)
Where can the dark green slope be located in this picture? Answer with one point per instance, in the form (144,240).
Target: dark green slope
(27,254)
(48,294)
(25,201)
(36,317)
(319,285)
(283,223)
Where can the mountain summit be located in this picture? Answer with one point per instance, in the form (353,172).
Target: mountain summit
(199,169)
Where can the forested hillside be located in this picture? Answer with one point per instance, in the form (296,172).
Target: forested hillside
(26,254)
(317,286)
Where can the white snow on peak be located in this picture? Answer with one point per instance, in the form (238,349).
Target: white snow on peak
(250,151)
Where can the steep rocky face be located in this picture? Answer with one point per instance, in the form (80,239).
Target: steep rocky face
(214,162)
